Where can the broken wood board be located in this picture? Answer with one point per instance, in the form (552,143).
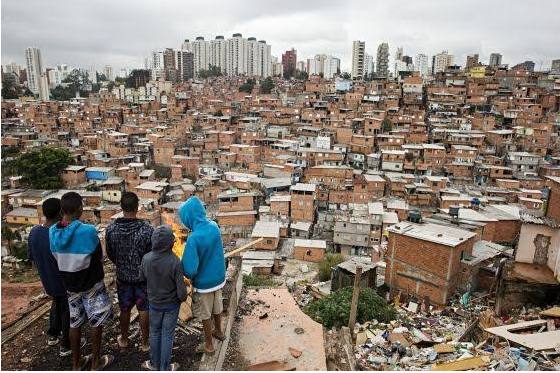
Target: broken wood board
(538,341)
(22,324)
(271,365)
(465,364)
(444,348)
(551,312)
(399,337)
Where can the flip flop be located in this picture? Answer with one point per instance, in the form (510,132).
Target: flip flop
(105,360)
(201,349)
(218,337)
(121,343)
(85,362)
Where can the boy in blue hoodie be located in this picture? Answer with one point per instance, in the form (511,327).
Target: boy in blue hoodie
(204,264)
(77,251)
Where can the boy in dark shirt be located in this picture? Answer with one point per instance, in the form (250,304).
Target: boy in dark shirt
(127,240)
(41,256)
(77,250)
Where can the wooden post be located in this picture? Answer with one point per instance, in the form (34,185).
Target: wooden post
(355,295)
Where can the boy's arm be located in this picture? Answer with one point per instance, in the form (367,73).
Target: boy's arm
(142,275)
(109,248)
(180,281)
(190,259)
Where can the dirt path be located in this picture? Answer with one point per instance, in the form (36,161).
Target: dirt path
(16,297)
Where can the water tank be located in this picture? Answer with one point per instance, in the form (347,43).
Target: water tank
(415,216)
(454,211)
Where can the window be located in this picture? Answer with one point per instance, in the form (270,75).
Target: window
(269,242)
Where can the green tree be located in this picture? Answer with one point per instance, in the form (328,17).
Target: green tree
(326,265)
(387,125)
(9,236)
(247,86)
(63,93)
(10,87)
(212,71)
(267,85)
(42,168)
(346,76)
(101,77)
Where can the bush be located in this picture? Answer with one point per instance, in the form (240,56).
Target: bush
(334,310)
(331,260)
(257,280)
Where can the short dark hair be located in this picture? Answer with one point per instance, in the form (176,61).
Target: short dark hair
(51,208)
(129,202)
(71,203)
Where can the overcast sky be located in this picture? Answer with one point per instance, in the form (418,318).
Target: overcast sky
(120,33)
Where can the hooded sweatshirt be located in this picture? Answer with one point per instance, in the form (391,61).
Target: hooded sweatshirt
(77,251)
(163,272)
(127,241)
(203,257)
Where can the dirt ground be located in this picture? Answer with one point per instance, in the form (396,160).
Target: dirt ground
(16,297)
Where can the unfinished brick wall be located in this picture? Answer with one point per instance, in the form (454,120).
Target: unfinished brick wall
(423,268)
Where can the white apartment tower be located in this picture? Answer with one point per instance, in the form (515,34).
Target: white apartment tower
(157,65)
(201,50)
(440,62)
(252,56)
(44,93)
(369,65)
(358,52)
(421,65)
(187,45)
(331,67)
(236,55)
(34,68)
(218,53)
(264,61)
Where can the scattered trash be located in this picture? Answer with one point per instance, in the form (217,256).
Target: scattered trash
(263,316)
(295,353)
(299,330)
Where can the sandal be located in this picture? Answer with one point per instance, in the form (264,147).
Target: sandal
(121,342)
(201,349)
(85,362)
(147,365)
(105,361)
(220,338)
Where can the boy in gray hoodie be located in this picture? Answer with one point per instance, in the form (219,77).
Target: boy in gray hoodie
(163,272)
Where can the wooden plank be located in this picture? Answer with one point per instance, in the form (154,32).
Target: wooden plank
(270,365)
(244,247)
(22,324)
(551,312)
(465,364)
(444,348)
(355,295)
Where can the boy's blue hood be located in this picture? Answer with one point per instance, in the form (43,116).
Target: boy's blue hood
(61,237)
(192,213)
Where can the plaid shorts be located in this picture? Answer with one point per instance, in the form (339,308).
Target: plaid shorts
(131,295)
(93,305)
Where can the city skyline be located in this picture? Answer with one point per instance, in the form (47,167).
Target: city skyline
(331,28)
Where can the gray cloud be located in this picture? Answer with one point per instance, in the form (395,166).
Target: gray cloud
(121,33)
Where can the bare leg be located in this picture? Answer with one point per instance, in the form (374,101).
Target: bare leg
(75,337)
(144,319)
(207,326)
(96,346)
(124,323)
(218,326)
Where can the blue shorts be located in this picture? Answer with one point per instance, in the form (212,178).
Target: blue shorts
(93,305)
(131,295)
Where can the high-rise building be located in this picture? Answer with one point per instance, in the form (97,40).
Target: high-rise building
(358,56)
(472,61)
(157,65)
(555,66)
(495,59)
(441,61)
(169,65)
(201,51)
(264,60)
(218,53)
(383,60)
(236,55)
(421,64)
(12,68)
(527,65)
(289,61)
(277,67)
(186,45)
(185,65)
(331,67)
(399,54)
(44,93)
(108,71)
(34,68)
(369,66)
(252,56)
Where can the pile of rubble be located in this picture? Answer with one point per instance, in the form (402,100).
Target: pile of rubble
(455,338)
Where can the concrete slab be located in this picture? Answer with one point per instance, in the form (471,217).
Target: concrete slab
(264,339)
